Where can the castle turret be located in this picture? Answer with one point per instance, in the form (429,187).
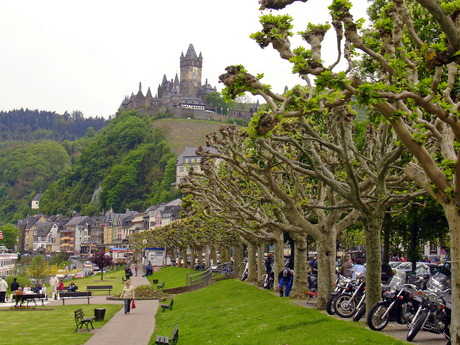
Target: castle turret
(190,72)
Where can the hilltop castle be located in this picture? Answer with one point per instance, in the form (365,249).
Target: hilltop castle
(184,96)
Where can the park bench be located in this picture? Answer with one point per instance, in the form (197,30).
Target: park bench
(66,295)
(160,339)
(68,287)
(81,320)
(168,306)
(311,294)
(100,287)
(32,296)
(161,286)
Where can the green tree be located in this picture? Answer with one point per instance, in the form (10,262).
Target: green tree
(10,236)
(37,268)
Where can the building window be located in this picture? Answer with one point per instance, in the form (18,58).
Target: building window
(187,160)
(181,169)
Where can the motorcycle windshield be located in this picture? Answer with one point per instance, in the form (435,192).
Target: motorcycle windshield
(438,282)
(398,280)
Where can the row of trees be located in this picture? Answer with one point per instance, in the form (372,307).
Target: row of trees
(299,169)
(27,125)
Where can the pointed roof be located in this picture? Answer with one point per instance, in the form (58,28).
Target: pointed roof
(148,96)
(37,197)
(176,81)
(164,80)
(190,53)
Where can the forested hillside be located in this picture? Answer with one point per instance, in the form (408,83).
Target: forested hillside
(129,160)
(27,168)
(30,125)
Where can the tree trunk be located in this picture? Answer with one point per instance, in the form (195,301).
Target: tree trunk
(228,254)
(386,244)
(413,251)
(192,257)
(261,265)
(214,255)
(326,249)
(184,257)
(453,218)
(252,262)
(207,256)
(372,231)
(300,283)
(238,259)
(279,258)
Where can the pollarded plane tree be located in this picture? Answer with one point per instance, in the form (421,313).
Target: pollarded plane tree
(238,201)
(278,198)
(223,194)
(325,100)
(415,90)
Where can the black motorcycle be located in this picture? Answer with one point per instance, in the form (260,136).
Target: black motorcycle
(397,304)
(342,284)
(348,303)
(434,313)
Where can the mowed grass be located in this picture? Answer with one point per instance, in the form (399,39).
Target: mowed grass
(111,278)
(55,326)
(172,276)
(234,312)
(182,133)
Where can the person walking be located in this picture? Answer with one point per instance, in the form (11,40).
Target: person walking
(54,283)
(3,288)
(136,268)
(128,295)
(346,267)
(61,287)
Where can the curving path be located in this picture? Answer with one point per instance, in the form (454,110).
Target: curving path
(135,328)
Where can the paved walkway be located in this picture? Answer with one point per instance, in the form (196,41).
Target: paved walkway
(134,328)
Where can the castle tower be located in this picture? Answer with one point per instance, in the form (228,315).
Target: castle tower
(190,72)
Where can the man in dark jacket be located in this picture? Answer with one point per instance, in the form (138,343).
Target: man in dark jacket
(14,286)
(285,279)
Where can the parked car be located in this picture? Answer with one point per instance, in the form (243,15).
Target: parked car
(80,274)
(387,273)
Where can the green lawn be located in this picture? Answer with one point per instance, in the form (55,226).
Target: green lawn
(172,276)
(234,312)
(55,326)
(111,278)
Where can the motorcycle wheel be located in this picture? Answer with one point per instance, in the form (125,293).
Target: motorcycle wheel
(330,304)
(360,313)
(374,318)
(344,306)
(417,326)
(244,276)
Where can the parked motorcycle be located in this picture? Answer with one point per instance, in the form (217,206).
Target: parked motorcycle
(342,284)
(200,266)
(397,304)
(434,313)
(269,281)
(244,276)
(347,303)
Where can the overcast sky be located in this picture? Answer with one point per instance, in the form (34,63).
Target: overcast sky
(87,55)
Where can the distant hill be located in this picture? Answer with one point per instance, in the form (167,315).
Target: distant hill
(181,133)
(30,125)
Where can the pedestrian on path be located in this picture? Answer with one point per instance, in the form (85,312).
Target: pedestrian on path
(127,295)
(61,287)
(54,283)
(136,268)
(3,288)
